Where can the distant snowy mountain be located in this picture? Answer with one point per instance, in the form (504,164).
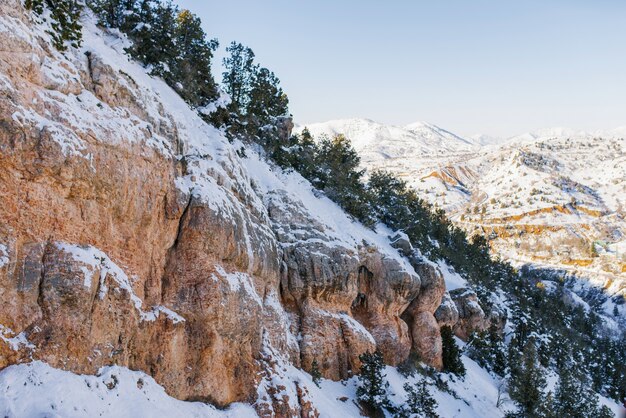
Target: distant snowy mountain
(483,139)
(552,198)
(376,141)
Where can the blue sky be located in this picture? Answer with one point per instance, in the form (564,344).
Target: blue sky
(496,67)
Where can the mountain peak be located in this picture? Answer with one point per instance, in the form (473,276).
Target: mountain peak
(369,137)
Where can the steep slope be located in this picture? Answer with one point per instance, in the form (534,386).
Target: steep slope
(134,234)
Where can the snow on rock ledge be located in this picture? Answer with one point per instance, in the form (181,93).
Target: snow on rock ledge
(216,257)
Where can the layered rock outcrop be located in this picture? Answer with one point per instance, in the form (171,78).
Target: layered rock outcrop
(132,233)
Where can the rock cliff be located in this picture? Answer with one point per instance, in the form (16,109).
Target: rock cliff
(133,234)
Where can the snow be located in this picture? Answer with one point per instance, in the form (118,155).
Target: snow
(452,278)
(93,260)
(74,117)
(159,309)
(234,188)
(348,321)
(526,186)
(473,397)
(341,230)
(238,282)
(4,255)
(372,139)
(38,390)
(476,395)
(272,304)
(14,341)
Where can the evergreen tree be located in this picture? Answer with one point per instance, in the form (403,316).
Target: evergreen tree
(547,409)
(159,51)
(400,208)
(259,104)
(267,99)
(420,402)
(144,27)
(316,376)
(341,179)
(35,5)
(573,397)
(238,75)
(114,13)
(65,16)
(488,350)
(372,389)
(303,155)
(451,354)
(527,383)
(191,67)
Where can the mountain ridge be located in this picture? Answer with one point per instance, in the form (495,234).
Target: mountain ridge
(548,181)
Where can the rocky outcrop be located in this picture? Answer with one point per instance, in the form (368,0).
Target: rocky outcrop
(132,233)
(329,284)
(420,315)
(471,316)
(447,313)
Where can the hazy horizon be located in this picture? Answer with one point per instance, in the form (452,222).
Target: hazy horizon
(483,67)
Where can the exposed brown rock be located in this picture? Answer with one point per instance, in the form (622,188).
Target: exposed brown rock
(447,313)
(420,313)
(110,262)
(471,315)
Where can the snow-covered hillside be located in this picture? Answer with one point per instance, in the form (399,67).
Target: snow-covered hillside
(553,198)
(230,229)
(146,258)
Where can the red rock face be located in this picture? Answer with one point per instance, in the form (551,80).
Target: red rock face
(420,314)
(109,260)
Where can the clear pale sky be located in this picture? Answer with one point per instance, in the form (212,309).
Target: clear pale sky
(498,67)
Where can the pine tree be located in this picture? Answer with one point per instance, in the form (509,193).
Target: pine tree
(527,382)
(34,5)
(304,154)
(547,409)
(573,397)
(141,27)
(372,389)
(238,75)
(420,402)
(341,178)
(159,52)
(267,99)
(316,376)
(65,16)
(114,13)
(451,354)
(191,67)
(399,207)
(488,350)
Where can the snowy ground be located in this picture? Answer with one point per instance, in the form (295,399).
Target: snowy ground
(38,390)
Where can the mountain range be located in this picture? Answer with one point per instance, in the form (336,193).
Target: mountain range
(551,199)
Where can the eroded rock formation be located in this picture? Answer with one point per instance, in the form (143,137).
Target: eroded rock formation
(132,233)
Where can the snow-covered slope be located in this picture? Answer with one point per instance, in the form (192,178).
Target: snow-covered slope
(228,228)
(375,141)
(38,390)
(553,197)
(255,272)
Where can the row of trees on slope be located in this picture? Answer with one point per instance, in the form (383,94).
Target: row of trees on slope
(171,44)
